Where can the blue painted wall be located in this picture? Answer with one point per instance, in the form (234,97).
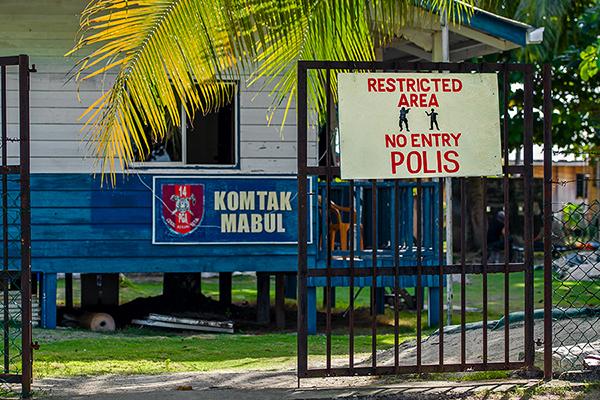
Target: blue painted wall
(80,226)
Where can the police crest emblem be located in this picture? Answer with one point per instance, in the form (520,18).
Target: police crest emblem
(183,207)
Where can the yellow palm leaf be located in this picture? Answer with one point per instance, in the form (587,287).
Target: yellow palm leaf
(169,51)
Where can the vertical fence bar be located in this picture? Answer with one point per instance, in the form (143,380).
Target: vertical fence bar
(419,288)
(330,241)
(374,274)
(547,221)
(506,205)
(5,254)
(302,212)
(463,280)
(484,262)
(528,215)
(25,224)
(351,289)
(396,272)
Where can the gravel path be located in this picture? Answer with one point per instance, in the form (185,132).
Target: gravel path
(283,385)
(566,332)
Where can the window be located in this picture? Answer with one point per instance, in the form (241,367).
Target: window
(582,185)
(209,139)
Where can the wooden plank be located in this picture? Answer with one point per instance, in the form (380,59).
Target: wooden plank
(274,149)
(42,98)
(160,324)
(480,37)
(59,81)
(87,216)
(163,264)
(83,182)
(53,149)
(51,132)
(96,199)
(271,165)
(79,149)
(24,32)
(39,46)
(62,131)
(274,133)
(45,7)
(126,248)
(253,99)
(190,321)
(63,165)
(39,98)
(259,117)
(40,23)
(108,232)
(65,116)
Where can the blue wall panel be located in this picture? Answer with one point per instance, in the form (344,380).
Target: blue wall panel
(80,225)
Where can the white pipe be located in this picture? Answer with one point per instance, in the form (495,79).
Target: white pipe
(448,181)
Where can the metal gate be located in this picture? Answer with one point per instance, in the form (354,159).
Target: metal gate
(420,262)
(15,271)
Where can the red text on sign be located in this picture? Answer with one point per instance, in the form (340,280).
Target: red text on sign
(422,162)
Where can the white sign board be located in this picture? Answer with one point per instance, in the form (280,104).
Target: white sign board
(420,125)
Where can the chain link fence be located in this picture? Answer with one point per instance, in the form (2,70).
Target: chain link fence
(576,277)
(11,309)
(15,230)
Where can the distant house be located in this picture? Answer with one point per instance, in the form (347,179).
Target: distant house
(575,181)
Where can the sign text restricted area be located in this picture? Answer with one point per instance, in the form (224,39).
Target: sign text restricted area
(396,125)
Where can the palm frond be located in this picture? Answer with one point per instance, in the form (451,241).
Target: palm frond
(164,53)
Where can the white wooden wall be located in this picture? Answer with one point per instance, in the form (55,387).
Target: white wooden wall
(45,30)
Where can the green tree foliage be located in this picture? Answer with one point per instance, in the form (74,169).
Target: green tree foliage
(570,27)
(590,56)
(590,61)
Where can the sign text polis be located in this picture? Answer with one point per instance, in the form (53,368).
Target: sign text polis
(395,125)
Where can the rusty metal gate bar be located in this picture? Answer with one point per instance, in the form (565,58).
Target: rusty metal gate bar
(330,171)
(17,274)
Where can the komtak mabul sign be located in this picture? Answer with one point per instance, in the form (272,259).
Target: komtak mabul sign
(225,210)
(424,125)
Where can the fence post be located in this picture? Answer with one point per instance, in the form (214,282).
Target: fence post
(547,78)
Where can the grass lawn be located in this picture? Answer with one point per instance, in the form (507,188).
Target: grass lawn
(146,351)
(575,294)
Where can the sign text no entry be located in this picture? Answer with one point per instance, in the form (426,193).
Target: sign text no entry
(418,125)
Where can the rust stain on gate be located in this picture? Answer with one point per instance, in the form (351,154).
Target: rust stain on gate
(350,271)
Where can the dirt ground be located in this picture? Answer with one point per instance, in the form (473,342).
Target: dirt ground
(566,332)
(283,385)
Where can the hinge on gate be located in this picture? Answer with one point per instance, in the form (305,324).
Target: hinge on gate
(35,345)
(539,342)
(32,69)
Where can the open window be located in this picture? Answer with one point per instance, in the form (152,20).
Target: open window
(204,140)
(581,185)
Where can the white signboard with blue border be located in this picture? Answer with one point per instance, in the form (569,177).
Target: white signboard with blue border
(225,210)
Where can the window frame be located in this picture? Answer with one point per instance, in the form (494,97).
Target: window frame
(147,165)
(581,179)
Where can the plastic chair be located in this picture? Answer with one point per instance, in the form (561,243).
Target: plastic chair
(341,227)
